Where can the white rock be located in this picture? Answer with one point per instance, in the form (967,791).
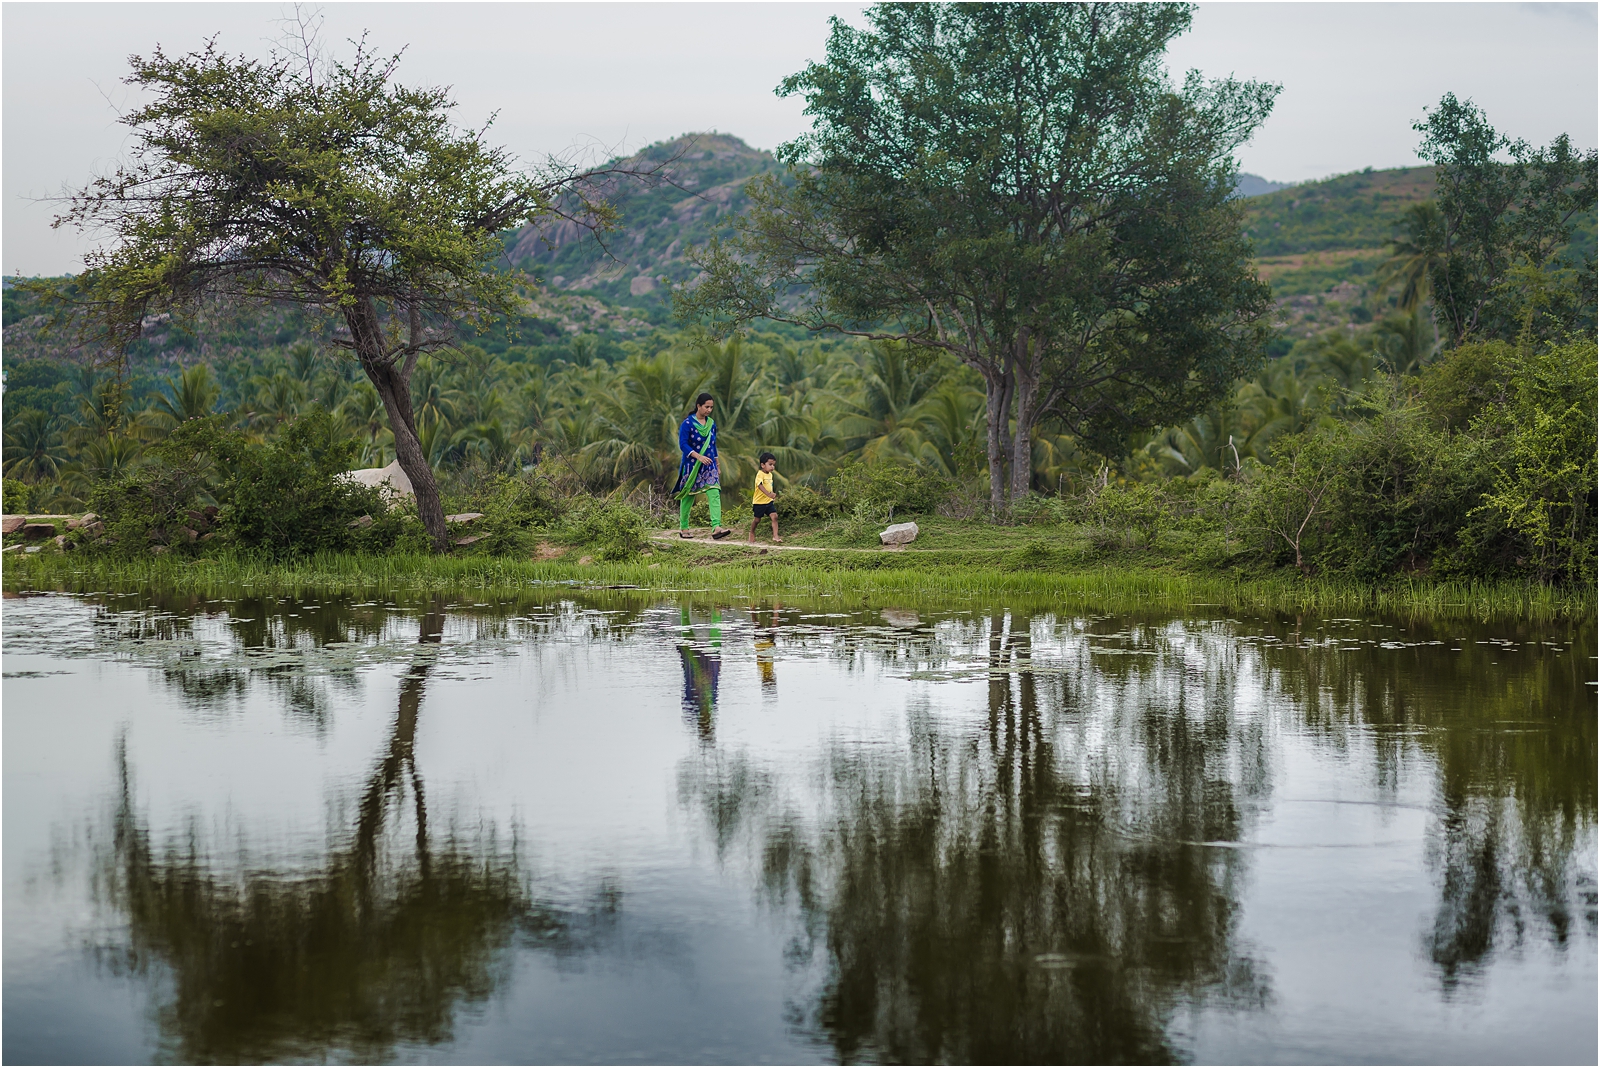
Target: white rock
(391,480)
(899,534)
(463,517)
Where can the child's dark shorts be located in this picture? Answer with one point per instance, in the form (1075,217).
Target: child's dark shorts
(764,510)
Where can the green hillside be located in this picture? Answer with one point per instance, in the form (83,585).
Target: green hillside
(1351,211)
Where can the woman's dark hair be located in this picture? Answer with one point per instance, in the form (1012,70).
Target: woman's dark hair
(764,457)
(701,400)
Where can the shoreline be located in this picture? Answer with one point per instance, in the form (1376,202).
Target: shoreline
(945,576)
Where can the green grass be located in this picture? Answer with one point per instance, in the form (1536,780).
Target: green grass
(1029,577)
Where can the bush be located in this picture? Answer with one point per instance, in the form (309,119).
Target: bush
(1544,468)
(166,502)
(16,497)
(513,507)
(884,489)
(616,530)
(287,497)
(803,502)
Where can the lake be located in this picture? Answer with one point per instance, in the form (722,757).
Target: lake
(619,827)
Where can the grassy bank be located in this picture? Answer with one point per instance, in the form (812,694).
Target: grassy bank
(1023,577)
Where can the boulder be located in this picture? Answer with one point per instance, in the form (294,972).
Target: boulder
(38,531)
(469,540)
(463,517)
(33,548)
(898,534)
(81,521)
(61,542)
(360,522)
(10,524)
(901,617)
(391,480)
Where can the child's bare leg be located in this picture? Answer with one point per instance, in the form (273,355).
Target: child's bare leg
(753,523)
(775,537)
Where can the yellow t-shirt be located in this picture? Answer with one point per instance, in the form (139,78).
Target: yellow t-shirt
(763,493)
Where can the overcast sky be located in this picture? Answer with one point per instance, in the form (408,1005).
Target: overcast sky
(1355,77)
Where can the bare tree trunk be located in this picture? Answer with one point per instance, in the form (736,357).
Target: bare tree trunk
(997,396)
(393,383)
(1026,376)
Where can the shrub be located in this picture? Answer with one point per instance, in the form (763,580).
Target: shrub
(1544,468)
(16,497)
(166,501)
(615,529)
(1141,508)
(803,502)
(884,489)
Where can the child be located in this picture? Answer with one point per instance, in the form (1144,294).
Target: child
(764,499)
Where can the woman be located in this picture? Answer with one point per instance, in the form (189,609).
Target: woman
(697,473)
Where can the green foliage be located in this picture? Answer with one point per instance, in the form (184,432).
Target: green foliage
(16,498)
(1467,381)
(287,497)
(1545,472)
(803,502)
(888,489)
(1501,226)
(618,531)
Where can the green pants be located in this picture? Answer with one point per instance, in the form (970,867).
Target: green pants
(713,501)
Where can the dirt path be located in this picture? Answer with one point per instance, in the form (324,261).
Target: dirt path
(734,539)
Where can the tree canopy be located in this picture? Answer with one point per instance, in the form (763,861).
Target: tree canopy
(1022,186)
(1507,211)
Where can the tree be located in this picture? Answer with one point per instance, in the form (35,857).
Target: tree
(1021,186)
(1412,255)
(323,184)
(1505,207)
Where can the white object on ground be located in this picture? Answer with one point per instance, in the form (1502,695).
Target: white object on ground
(391,480)
(899,534)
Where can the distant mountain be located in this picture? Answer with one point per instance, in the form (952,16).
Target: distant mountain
(639,262)
(1351,211)
(1253,185)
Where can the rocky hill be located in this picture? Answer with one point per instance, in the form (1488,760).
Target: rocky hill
(636,265)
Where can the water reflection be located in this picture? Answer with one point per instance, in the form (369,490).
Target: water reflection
(380,945)
(990,898)
(1027,836)
(1051,887)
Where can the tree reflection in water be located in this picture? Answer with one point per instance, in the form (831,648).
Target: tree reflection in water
(380,946)
(1049,883)
(985,898)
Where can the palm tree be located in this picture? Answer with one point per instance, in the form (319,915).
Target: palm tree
(102,459)
(1279,401)
(635,432)
(191,395)
(277,399)
(34,449)
(884,417)
(1414,254)
(362,411)
(1406,342)
(728,378)
(952,426)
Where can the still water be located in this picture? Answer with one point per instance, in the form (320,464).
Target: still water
(626,828)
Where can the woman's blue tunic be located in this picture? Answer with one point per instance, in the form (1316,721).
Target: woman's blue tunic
(693,437)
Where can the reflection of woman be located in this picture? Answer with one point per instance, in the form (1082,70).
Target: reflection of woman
(698,470)
(700,671)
